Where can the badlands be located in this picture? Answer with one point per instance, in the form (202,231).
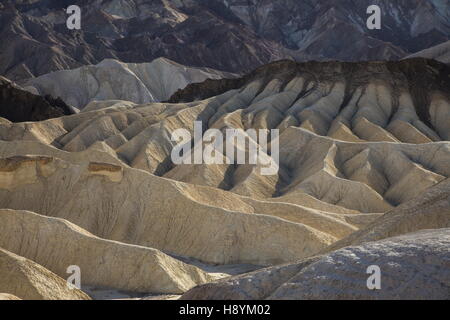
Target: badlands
(113,80)
(364,179)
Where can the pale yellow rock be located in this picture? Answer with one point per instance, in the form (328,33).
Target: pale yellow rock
(407,132)
(30,281)
(348,155)
(57,244)
(139,136)
(7,296)
(168,219)
(367,177)
(368,131)
(429,210)
(340,131)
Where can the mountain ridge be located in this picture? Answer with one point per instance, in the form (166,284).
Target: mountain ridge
(232,35)
(114,80)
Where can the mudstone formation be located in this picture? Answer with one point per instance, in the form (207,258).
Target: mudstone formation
(363,179)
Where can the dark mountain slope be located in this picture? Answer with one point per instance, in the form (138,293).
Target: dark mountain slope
(18,105)
(232,35)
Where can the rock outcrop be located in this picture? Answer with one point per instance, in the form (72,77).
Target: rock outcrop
(18,105)
(441,53)
(413,266)
(430,210)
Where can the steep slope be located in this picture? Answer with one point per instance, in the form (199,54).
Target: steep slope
(317,28)
(412,223)
(18,105)
(112,202)
(232,35)
(413,266)
(28,280)
(430,210)
(7,296)
(440,53)
(387,98)
(113,80)
(57,244)
(37,41)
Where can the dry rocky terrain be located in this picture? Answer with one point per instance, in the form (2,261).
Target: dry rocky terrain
(363,179)
(230,35)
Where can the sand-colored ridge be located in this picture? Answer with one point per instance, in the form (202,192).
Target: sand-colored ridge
(56,244)
(239,237)
(429,210)
(28,280)
(7,296)
(139,137)
(364,155)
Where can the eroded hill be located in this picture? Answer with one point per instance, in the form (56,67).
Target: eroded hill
(359,144)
